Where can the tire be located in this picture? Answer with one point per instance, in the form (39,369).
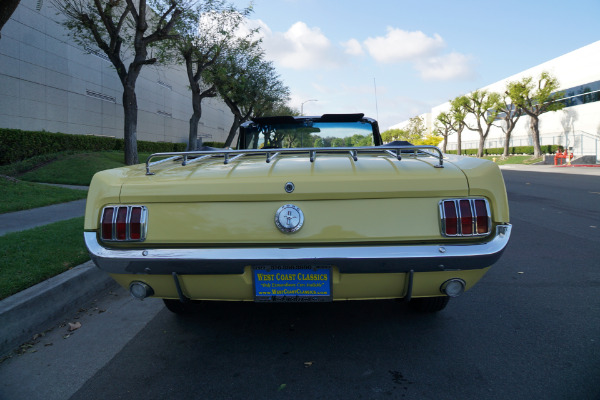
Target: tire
(179,308)
(429,304)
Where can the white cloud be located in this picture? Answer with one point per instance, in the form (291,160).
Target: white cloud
(353,47)
(445,67)
(399,45)
(301,47)
(424,52)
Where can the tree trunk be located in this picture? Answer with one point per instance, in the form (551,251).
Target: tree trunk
(481,145)
(459,141)
(535,133)
(232,131)
(445,145)
(506,144)
(507,135)
(195,119)
(193,138)
(130,125)
(7,8)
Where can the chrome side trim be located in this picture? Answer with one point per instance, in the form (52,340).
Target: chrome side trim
(349,259)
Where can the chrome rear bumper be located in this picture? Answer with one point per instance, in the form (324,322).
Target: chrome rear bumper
(348,259)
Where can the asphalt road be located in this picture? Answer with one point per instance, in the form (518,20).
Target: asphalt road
(529,330)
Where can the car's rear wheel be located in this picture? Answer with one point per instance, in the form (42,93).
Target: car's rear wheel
(429,304)
(179,308)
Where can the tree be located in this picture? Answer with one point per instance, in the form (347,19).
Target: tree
(458,114)
(115,27)
(337,142)
(198,47)
(248,84)
(510,114)
(394,134)
(534,99)
(415,129)
(280,109)
(444,125)
(484,106)
(413,132)
(430,139)
(7,8)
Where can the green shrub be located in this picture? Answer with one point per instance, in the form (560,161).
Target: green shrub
(515,150)
(17,145)
(218,145)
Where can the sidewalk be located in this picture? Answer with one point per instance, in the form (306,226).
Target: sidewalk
(36,309)
(573,169)
(27,219)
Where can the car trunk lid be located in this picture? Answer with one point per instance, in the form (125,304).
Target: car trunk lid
(329,177)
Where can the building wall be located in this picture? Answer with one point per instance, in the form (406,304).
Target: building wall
(49,83)
(577,126)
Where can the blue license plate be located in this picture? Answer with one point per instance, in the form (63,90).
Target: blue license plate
(292,284)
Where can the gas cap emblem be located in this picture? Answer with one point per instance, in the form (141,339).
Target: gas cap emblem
(289,218)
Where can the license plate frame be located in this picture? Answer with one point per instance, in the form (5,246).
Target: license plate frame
(296,284)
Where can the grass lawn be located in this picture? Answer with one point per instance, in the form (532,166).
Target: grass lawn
(32,256)
(65,168)
(69,168)
(515,160)
(76,169)
(21,195)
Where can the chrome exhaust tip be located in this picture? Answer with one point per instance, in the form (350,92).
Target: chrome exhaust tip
(453,287)
(140,290)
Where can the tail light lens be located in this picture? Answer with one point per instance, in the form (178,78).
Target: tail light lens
(123,223)
(450,218)
(465,217)
(106,224)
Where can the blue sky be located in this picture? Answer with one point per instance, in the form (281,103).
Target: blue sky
(419,53)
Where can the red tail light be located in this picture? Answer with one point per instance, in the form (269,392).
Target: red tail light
(107,223)
(465,217)
(135,224)
(483,219)
(123,223)
(450,218)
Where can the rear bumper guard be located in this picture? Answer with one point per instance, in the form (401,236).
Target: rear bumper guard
(348,259)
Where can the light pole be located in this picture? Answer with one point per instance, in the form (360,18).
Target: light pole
(302,105)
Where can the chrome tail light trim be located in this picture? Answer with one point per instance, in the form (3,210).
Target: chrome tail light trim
(114,233)
(455,204)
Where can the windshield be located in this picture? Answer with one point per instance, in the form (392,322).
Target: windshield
(307,133)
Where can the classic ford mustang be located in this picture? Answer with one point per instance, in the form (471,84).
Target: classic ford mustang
(304,209)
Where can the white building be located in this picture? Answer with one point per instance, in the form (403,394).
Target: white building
(49,83)
(576,126)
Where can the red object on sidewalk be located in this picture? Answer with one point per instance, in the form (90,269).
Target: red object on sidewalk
(562,156)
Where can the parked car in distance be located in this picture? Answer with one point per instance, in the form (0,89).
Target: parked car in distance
(303,209)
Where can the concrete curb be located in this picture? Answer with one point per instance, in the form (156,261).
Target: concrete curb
(33,310)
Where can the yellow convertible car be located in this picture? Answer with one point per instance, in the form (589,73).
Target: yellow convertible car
(304,209)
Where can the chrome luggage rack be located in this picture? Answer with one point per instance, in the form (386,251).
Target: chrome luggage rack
(190,157)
